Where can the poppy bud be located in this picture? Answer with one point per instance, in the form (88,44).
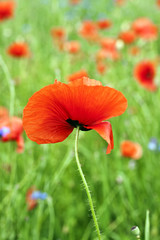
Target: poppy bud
(135,230)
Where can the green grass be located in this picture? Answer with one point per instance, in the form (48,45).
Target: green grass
(52,168)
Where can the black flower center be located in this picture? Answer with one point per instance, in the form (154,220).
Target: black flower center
(75,124)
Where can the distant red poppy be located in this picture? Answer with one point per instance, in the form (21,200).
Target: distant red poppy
(101,67)
(15,129)
(89,31)
(74,2)
(109,48)
(108,43)
(54,111)
(128,37)
(6,9)
(58,33)
(131,150)
(145,73)
(101,55)
(104,24)
(18,50)
(120,2)
(72,47)
(77,75)
(31,202)
(145,29)
(59,37)
(158,3)
(134,50)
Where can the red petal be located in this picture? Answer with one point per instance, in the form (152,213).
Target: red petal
(44,116)
(94,104)
(20,144)
(105,131)
(85,81)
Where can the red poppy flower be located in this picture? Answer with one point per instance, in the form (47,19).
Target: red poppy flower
(14,124)
(134,50)
(109,48)
(72,47)
(158,3)
(74,2)
(77,75)
(145,29)
(104,24)
(6,9)
(54,111)
(145,73)
(128,37)
(18,50)
(120,2)
(58,33)
(131,149)
(101,67)
(59,37)
(89,31)
(31,202)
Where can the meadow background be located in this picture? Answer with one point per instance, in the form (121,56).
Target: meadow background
(122,189)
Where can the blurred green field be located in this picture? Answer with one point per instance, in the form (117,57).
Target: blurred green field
(122,189)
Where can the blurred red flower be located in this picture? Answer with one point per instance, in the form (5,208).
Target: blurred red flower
(145,29)
(131,150)
(120,2)
(18,50)
(77,75)
(54,111)
(31,202)
(72,47)
(104,24)
(101,67)
(15,129)
(59,36)
(145,73)
(134,50)
(158,3)
(58,33)
(89,31)
(128,37)
(109,48)
(74,2)
(6,9)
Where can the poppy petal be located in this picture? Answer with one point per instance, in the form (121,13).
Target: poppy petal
(20,144)
(44,118)
(104,129)
(93,104)
(85,81)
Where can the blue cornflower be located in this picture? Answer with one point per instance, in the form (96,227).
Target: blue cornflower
(39,195)
(153,144)
(4,131)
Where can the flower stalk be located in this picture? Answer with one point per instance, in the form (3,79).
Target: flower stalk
(10,84)
(86,186)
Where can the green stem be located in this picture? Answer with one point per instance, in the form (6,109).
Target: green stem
(10,85)
(86,186)
(147,226)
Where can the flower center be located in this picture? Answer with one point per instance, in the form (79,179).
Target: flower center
(75,124)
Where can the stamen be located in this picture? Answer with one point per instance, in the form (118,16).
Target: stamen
(75,124)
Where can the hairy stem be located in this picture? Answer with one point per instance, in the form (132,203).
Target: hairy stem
(86,186)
